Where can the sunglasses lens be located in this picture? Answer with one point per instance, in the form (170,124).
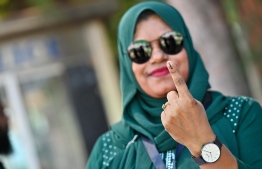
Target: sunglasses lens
(171,43)
(139,51)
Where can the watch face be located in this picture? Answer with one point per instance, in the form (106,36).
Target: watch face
(210,152)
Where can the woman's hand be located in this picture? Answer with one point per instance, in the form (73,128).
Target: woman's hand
(184,118)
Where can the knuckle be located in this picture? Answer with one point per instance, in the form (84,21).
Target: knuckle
(173,117)
(198,102)
(168,95)
(180,81)
(164,122)
(167,126)
(163,116)
(171,94)
(177,112)
(192,102)
(174,114)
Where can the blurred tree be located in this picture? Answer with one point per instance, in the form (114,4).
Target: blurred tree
(245,20)
(250,14)
(10,9)
(8,6)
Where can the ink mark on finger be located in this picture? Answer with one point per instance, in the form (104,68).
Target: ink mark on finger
(170,65)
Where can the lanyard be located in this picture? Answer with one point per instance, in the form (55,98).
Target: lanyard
(154,154)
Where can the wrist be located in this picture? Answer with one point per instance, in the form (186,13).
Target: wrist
(210,152)
(195,148)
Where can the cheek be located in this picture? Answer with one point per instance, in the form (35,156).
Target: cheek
(139,74)
(185,70)
(182,61)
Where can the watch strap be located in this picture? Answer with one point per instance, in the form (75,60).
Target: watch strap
(199,160)
(218,143)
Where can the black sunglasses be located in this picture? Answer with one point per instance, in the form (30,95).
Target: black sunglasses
(140,51)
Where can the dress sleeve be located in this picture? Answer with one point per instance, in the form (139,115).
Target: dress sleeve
(95,158)
(249,136)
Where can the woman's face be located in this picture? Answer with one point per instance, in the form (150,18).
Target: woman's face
(153,76)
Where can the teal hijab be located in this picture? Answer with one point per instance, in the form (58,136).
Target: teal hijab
(141,113)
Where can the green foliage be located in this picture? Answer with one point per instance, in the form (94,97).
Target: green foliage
(12,7)
(45,5)
(2,6)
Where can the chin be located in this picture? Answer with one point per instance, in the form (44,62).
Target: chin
(159,90)
(169,88)
(160,94)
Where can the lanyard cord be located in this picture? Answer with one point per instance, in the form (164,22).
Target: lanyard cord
(154,154)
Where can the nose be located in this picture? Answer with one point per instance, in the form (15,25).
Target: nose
(157,55)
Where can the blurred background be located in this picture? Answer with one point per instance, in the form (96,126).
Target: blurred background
(59,77)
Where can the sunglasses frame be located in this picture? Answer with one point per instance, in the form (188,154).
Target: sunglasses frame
(145,47)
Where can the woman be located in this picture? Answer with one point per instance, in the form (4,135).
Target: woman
(170,118)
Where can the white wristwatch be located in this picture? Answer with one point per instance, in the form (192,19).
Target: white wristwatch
(210,152)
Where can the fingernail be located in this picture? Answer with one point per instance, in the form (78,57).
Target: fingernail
(170,65)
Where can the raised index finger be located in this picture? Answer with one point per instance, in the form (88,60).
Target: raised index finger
(178,79)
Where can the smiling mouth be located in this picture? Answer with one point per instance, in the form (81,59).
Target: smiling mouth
(160,72)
